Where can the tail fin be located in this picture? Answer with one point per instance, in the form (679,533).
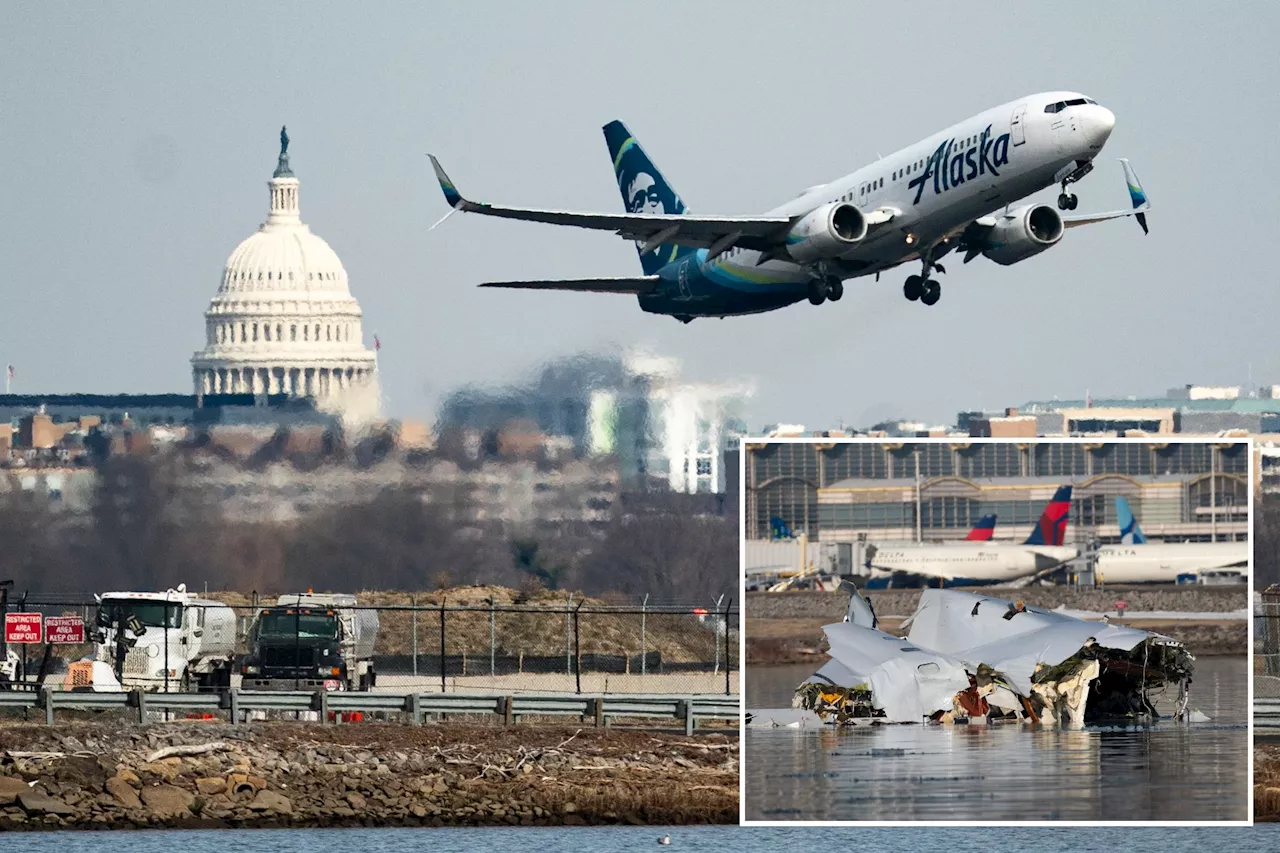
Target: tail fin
(1051,529)
(1137,194)
(779,529)
(983,530)
(644,190)
(1130,532)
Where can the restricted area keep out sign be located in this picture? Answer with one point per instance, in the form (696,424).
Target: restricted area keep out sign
(22,627)
(64,629)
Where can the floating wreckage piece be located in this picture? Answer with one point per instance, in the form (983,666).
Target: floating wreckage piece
(973,658)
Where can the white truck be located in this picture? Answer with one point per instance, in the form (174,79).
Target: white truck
(311,641)
(155,640)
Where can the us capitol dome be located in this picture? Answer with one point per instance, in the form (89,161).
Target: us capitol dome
(283,320)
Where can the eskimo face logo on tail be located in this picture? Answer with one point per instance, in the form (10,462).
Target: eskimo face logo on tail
(643,195)
(950,165)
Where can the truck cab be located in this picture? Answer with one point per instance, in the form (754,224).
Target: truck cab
(307,644)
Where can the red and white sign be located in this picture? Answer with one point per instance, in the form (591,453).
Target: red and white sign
(22,627)
(64,629)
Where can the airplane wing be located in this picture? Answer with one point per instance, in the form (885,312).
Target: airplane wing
(640,284)
(719,232)
(1136,194)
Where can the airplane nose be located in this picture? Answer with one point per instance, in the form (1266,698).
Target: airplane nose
(1101,122)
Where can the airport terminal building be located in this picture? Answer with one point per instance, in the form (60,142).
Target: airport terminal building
(935,491)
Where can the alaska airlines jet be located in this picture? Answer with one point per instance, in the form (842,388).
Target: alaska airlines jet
(1136,560)
(968,564)
(953,191)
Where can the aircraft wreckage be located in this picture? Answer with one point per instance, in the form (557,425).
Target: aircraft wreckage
(970,656)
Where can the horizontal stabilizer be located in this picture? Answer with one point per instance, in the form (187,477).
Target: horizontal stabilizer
(638,285)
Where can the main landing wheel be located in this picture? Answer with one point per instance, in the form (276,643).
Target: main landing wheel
(1067,201)
(932,292)
(817,292)
(835,289)
(914,288)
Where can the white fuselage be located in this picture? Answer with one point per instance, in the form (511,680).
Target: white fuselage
(1037,150)
(1163,562)
(973,561)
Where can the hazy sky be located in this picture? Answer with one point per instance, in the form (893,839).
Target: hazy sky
(136,142)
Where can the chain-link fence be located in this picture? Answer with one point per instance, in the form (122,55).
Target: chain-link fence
(1266,641)
(328,642)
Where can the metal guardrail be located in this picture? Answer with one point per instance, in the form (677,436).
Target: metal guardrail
(238,705)
(1266,716)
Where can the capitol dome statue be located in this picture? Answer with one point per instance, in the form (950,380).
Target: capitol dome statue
(283,320)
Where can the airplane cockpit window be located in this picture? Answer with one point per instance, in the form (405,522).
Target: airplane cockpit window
(1055,108)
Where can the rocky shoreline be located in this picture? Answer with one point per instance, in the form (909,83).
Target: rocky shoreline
(200,774)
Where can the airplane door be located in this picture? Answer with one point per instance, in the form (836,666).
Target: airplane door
(1016,129)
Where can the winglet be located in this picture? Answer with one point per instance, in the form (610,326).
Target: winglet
(1136,194)
(451,194)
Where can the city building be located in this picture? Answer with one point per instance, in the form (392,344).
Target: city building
(836,491)
(283,321)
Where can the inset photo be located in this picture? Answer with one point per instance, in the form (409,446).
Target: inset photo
(996,631)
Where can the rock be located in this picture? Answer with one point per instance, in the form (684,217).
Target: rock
(122,792)
(570,808)
(38,802)
(129,776)
(70,744)
(10,788)
(356,801)
(270,801)
(163,769)
(80,772)
(167,801)
(211,786)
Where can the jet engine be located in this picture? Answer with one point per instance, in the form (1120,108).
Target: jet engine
(1023,232)
(826,232)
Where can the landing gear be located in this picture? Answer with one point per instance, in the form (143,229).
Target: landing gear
(914,288)
(818,290)
(922,287)
(1066,200)
(835,289)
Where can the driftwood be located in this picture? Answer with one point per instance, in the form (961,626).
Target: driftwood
(199,749)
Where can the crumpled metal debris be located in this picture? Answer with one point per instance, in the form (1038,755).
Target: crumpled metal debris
(973,657)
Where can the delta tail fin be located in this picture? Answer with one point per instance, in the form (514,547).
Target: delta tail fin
(644,190)
(779,529)
(1130,532)
(1051,529)
(983,530)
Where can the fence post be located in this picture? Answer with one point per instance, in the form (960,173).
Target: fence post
(443,689)
(577,647)
(492,638)
(140,696)
(728,665)
(686,710)
(413,603)
(716,640)
(233,705)
(415,708)
(644,653)
(322,704)
(568,638)
(47,699)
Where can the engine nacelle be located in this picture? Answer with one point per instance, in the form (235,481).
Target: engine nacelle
(1023,232)
(826,232)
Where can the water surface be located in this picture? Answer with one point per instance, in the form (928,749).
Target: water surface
(1003,772)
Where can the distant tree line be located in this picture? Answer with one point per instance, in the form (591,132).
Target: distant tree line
(151,526)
